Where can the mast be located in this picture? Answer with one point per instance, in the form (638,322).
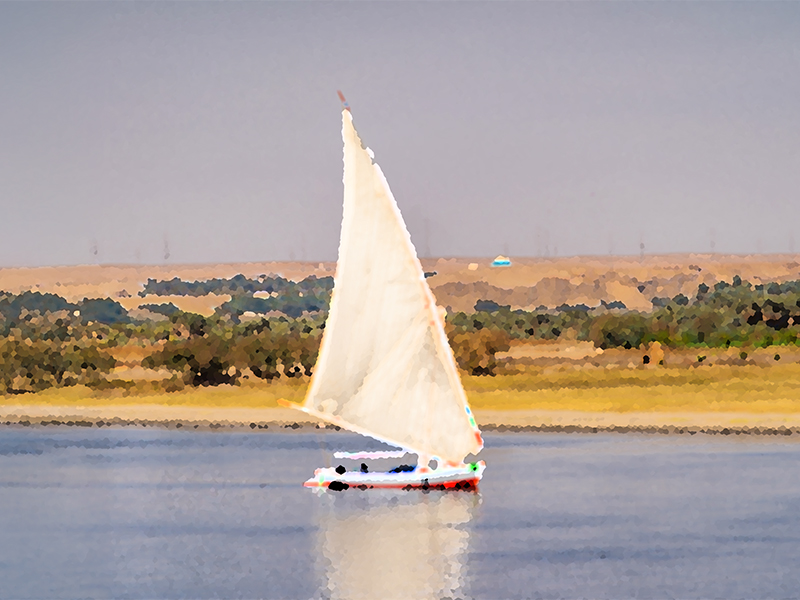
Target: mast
(385,368)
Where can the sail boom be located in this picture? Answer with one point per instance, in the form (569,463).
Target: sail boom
(339,422)
(367,454)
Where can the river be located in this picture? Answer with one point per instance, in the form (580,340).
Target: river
(157,513)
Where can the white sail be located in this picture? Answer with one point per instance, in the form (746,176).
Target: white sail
(385,368)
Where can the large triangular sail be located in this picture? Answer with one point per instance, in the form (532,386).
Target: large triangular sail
(385,368)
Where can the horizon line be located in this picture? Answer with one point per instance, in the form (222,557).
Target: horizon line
(630,257)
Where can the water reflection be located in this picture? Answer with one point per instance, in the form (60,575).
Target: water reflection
(390,544)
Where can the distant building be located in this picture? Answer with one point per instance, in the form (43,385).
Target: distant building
(501,261)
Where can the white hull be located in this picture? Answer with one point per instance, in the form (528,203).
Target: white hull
(462,477)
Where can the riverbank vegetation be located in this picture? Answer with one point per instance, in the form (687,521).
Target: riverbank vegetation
(270,331)
(746,390)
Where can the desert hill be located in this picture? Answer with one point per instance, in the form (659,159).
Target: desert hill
(458,283)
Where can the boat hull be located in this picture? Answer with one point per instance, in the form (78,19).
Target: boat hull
(463,477)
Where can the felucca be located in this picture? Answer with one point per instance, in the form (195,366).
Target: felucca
(385,368)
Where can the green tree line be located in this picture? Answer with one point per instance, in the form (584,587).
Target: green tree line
(727,314)
(46,341)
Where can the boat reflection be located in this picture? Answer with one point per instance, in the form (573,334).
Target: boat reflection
(389,544)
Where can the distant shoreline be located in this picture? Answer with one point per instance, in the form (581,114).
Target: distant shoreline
(459,281)
(514,421)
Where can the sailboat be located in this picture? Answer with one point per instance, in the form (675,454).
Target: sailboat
(385,368)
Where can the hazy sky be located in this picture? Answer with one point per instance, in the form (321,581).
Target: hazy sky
(521,128)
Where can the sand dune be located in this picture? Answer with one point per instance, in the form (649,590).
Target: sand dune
(527,283)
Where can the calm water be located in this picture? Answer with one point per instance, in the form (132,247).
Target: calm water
(160,514)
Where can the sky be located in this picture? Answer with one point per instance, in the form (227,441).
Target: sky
(211,132)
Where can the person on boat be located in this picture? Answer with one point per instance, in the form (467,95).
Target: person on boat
(424,463)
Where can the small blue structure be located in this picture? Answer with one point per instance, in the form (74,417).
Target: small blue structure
(501,261)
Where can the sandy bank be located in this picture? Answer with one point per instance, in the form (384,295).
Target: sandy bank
(190,417)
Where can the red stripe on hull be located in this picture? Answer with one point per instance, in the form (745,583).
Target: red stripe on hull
(463,484)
